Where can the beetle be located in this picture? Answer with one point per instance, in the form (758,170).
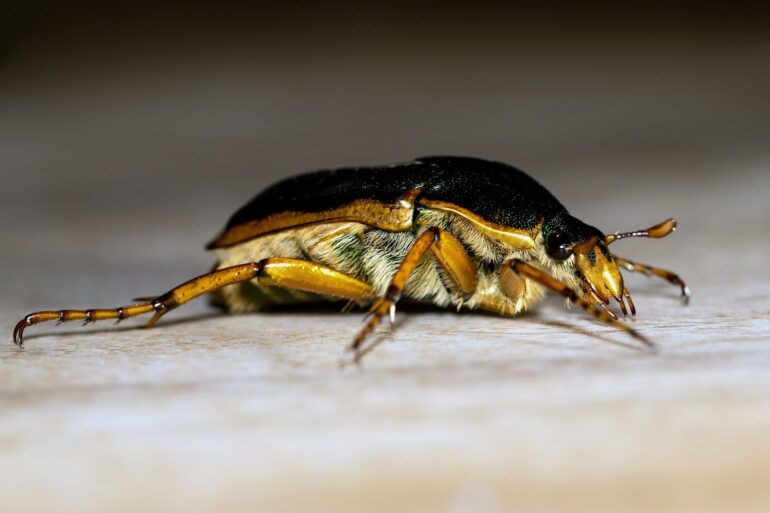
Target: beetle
(452,231)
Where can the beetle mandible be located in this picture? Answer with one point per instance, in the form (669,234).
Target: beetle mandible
(452,231)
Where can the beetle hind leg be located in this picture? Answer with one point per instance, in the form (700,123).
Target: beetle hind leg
(158,305)
(284,272)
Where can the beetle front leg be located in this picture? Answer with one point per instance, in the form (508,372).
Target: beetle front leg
(669,276)
(449,253)
(555,285)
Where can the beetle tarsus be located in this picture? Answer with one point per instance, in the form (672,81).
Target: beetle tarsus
(157,304)
(87,316)
(372,319)
(649,270)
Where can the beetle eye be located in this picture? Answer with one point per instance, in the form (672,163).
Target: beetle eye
(557,246)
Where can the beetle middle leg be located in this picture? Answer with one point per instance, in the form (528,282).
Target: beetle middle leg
(284,272)
(450,254)
(669,276)
(555,285)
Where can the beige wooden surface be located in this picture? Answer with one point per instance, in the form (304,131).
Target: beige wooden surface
(119,163)
(456,412)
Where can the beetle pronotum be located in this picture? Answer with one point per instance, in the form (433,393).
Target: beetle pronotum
(453,231)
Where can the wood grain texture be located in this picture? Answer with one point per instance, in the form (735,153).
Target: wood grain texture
(112,185)
(218,412)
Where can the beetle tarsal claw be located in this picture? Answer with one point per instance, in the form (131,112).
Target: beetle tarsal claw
(18,331)
(631,305)
(622,306)
(609,311)
(598,302)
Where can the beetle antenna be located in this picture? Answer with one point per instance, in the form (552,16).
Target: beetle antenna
(654,232)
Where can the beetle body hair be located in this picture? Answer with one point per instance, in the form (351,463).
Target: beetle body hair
(373,255)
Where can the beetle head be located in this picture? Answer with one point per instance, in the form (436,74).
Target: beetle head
(582,246)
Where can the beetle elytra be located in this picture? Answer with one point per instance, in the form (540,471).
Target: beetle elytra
(452,231)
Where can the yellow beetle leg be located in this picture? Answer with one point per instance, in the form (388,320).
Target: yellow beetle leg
(555,285)
(159,305)
(285,272)
(86,316)
(308,276)
(452,256)
(503,299)
(669,276)
(448,251)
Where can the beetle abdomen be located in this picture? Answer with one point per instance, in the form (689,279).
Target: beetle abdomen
(373,256)
(368,254)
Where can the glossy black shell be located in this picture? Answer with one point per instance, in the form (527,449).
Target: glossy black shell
(497,192)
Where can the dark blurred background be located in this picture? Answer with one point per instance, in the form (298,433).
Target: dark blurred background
(129,133)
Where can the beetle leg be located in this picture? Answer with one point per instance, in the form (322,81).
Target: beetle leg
(454,259)
(288,273)
(555,285)
(159,305)
(669,276)
(450,254)
(285,272)
(308,276)
(630,302)
(595,300)
(202,285)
